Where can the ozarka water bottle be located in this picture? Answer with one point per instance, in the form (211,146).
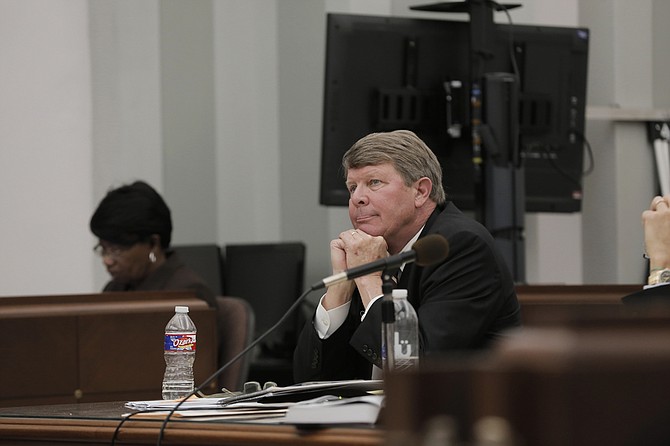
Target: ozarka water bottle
(405,333)
(179,351)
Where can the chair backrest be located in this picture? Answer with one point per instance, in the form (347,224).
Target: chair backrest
(206,260)
(270,277)
(236,331)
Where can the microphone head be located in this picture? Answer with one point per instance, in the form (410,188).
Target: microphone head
(431,249)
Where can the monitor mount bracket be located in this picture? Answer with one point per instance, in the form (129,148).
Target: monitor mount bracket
(497,169)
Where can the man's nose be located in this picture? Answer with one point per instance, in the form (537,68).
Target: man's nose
(359,196)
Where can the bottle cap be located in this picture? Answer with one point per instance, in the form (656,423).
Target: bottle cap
(399,293)
(180,309)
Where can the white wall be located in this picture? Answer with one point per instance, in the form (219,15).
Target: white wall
(45,156)
(621,74)
(661,52)
(247,116)
(188,118)
(126,98)
(218,104)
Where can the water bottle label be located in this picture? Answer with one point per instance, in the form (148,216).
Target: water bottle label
(180,342)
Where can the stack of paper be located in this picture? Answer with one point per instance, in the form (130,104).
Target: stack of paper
(235,412)
(338,401)
(356,410)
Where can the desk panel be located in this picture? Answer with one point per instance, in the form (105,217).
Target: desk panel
(39,355)
(94,424)
(95,347)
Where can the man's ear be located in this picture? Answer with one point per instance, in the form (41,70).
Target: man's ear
(423,187)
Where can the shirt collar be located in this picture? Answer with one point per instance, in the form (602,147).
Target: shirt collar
(409,245)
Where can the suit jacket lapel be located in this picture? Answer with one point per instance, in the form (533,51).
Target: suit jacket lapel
(410,268)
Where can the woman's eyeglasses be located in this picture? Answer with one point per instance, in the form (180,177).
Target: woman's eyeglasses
(110,251)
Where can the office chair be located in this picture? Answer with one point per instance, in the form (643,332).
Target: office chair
(236,331)
(270,277)
(206,260)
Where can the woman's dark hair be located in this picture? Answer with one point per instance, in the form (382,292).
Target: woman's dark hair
(132,214)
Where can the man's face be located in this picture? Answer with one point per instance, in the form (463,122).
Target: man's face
(380,203)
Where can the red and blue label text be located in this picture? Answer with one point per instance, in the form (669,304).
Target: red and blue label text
(180,342)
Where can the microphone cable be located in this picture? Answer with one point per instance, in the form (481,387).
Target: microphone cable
(512,57)
(197,390)
(588,170)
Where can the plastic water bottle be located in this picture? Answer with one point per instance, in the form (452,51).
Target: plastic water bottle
(179,348)
(405,333)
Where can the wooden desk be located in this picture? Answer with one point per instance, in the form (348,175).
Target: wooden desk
(590,375)
(94,424)
(573,294)
(94,347)
(541,301)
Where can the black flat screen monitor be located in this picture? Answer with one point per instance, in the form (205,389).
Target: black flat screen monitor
(388,73)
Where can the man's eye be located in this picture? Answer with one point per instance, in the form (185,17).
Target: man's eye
(375,182)
(352,188)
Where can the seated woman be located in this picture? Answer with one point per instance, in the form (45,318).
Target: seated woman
(134,227)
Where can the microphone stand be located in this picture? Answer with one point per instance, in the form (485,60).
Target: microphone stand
(388,320)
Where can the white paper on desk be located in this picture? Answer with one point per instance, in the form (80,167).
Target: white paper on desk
(297,392)
(355,410)
(199,404)
(246,411)
(193,403)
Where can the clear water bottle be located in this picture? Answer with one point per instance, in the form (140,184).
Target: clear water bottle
(179,348)
(405,333)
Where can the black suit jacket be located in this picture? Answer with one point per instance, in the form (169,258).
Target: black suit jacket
(463,303)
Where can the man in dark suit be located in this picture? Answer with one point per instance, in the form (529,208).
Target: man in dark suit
(396,197)
(656,223)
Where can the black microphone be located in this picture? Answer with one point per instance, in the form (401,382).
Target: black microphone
(426,251)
